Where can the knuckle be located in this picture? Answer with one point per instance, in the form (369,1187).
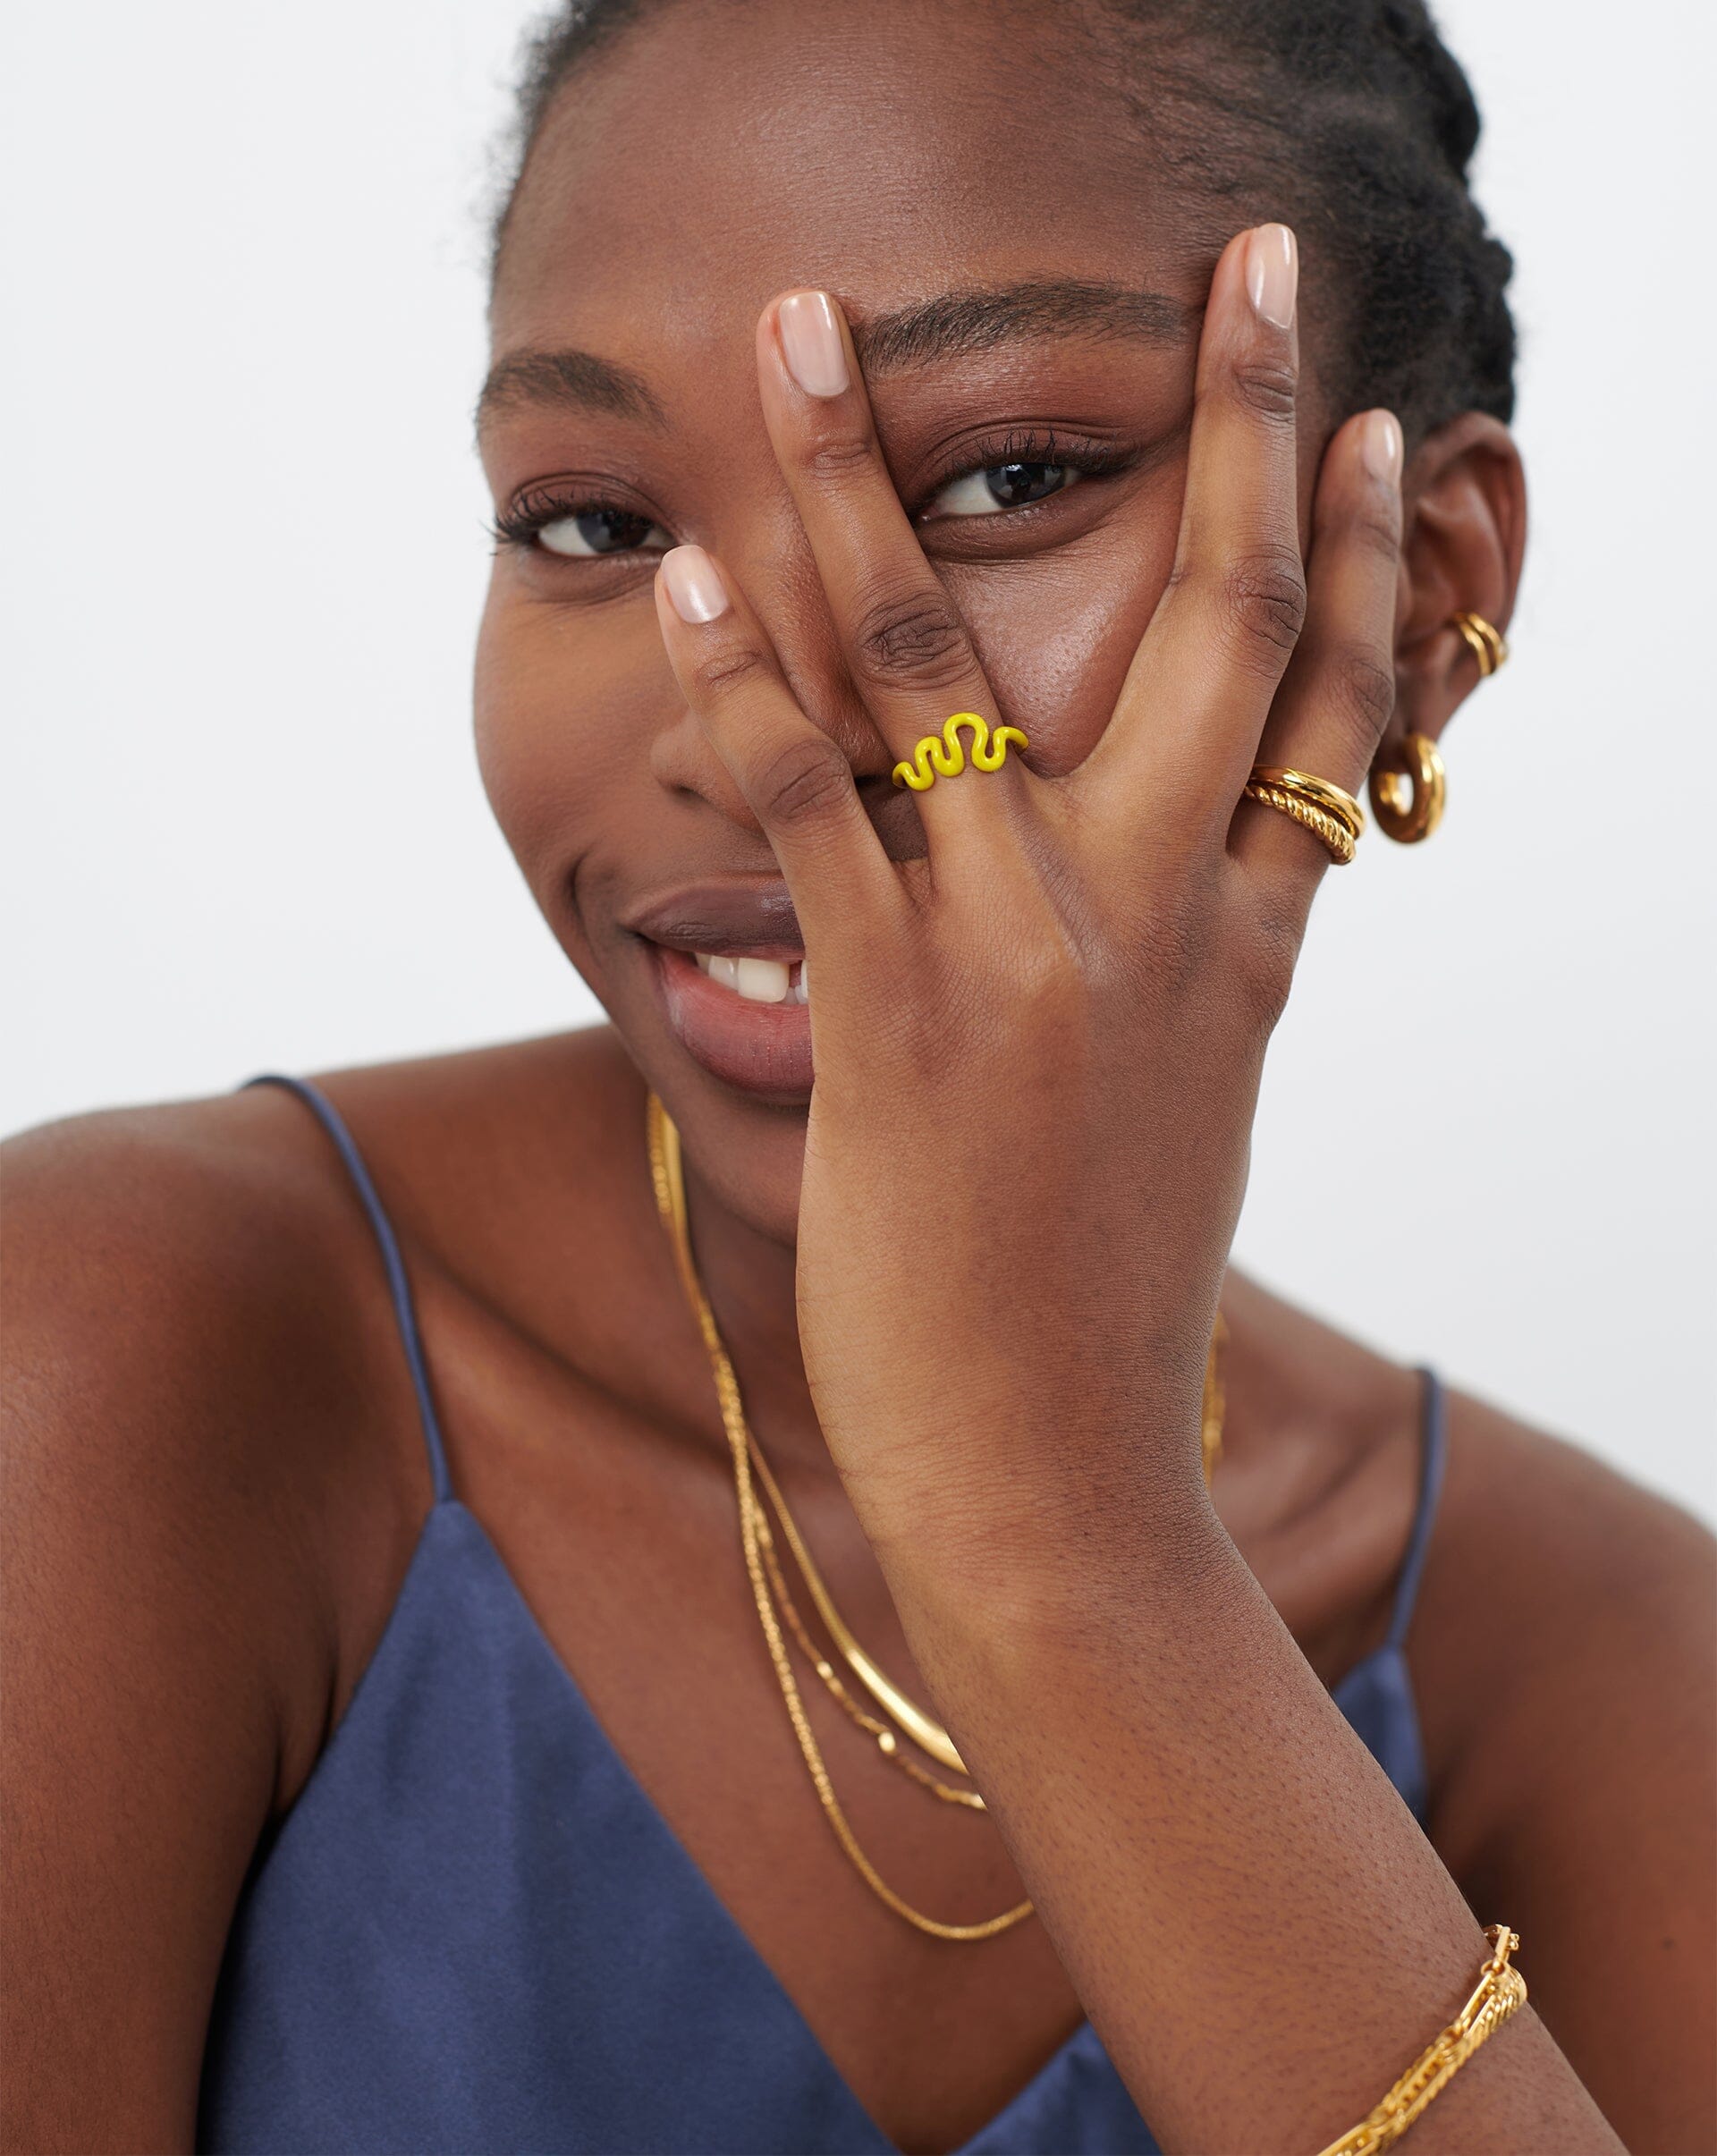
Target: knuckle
(730,668)
(1168,949)
(805,783)
(1267,388)
(913,637)
(1264,599)
(833,457)
(1364,690)
(1377,532)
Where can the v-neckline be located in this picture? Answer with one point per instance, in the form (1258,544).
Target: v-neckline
(1082,2042)
(1083,2038)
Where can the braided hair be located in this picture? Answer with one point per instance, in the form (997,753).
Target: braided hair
(1349,118)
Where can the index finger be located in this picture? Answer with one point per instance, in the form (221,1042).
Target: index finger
(904,644)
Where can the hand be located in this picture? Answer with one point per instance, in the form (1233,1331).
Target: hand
(1038,1050)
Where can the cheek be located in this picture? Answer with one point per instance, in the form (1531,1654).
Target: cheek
(556,706)
(1056,635)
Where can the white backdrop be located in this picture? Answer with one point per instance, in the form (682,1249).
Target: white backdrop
(244,542)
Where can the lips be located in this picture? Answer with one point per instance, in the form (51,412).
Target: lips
(764,1049)
(741,916)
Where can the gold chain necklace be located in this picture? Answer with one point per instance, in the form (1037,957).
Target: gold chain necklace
(757,1543)
(887,1743)
(908,1717)
(925,1732)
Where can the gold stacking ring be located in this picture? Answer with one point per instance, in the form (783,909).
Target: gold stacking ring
(1321,807)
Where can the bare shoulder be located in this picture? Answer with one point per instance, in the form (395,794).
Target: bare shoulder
(186,1367)
(1564,1660)
(213,1475)
(164,1625)
(199,1332)
(1567,1615)
(213,1240)
(167,1259)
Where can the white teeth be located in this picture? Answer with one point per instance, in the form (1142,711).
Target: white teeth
(801,984)
(763,980)
(758,980)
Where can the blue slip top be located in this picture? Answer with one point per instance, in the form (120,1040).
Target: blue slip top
(473,1933)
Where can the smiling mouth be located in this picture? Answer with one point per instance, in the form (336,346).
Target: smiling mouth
(744,1016)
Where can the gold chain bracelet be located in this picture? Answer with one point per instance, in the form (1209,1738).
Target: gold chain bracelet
(1500,1991)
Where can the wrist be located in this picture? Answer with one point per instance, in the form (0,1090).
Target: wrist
(1026,1586)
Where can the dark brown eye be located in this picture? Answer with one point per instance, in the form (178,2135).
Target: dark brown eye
(601,531)
(980,494)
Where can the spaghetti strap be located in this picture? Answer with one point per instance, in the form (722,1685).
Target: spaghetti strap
(399,1287)
(1433,1445)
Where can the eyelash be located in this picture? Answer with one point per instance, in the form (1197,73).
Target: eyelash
(518,524)
(1026,446)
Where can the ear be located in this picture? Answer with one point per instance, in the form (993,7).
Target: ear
(1463,533)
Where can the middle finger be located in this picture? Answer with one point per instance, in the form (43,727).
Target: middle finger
(904,644)
(1185,728)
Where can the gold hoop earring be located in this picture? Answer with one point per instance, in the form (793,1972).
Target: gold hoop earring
(1487,645)
(1407,803)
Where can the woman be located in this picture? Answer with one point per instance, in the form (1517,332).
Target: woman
(451,1748)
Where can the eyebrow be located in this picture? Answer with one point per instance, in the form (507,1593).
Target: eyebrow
(953,324)
(576,379)
(897,341)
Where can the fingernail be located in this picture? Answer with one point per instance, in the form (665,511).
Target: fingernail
(1381,447)
(1273,273)
(695,590)
(810,341)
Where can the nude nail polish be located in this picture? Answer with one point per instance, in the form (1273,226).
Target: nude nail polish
(810,343)
(1273,273)
(1382,446)
(695,590)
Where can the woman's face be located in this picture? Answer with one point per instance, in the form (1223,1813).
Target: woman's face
(966,179)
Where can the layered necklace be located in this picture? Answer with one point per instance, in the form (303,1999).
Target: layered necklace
(904,1723)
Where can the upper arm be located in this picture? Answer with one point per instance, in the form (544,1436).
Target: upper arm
(1583,1809)
(159,1624)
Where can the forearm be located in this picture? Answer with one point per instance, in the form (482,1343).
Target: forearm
(1258,1928)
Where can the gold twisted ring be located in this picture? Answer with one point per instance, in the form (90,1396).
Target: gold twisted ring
(1322,808)
(1319,792)
(931,758)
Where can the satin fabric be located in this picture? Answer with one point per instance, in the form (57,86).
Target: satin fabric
(474,1932)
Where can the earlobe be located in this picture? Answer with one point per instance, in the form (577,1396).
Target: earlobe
(1462,541)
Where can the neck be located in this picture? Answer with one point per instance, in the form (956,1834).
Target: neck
(747,1277)
(1304,1407)
(1289,1379)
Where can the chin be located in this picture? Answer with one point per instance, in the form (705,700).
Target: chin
(750,1153)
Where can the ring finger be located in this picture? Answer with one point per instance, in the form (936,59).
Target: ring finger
(1335,698)
(904,644)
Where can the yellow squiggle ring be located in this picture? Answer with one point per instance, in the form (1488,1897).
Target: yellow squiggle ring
(989,752)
